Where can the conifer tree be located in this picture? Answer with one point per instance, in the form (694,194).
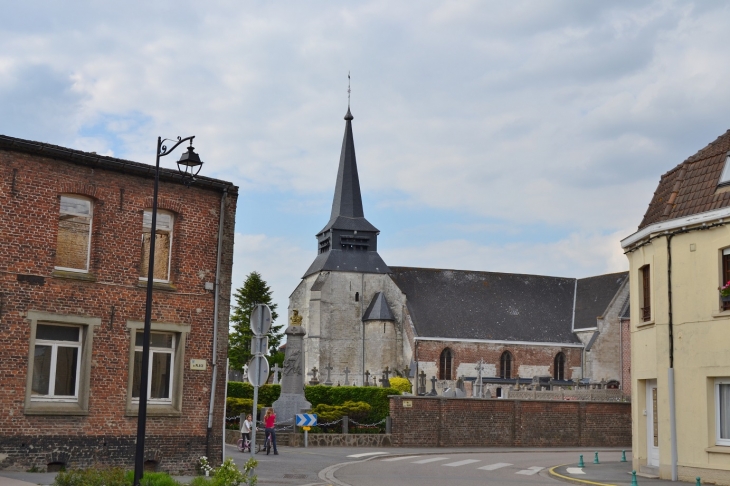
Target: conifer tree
(254,291)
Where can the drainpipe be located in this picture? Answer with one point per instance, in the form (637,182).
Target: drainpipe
(215,322)
(670,371)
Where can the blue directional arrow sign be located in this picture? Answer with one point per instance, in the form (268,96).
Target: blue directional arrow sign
(306,419)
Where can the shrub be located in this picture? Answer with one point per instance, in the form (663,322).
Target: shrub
(92,477)
(237,406)
(376,397)
(357,411)
(268,394)
(401,384)
(228,474)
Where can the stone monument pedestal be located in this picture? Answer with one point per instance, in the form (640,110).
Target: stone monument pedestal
(292,401)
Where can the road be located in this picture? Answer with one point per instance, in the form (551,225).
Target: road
(413,466)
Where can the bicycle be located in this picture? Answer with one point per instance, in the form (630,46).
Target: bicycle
(244,445)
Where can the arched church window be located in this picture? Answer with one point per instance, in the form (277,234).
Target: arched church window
(357,296)
(505,365)
(445,364)
(559,367)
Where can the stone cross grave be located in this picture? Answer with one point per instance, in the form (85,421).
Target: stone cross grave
(478,390)
(385,381)
(347,374)
(422,383)
(367,378)
(276,370)
(313,374)
(329,368)
(433,393)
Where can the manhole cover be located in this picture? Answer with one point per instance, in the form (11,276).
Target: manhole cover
(295,476)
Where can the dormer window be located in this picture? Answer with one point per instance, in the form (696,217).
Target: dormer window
(725,176)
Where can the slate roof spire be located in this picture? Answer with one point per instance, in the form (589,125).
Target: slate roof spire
(348,243)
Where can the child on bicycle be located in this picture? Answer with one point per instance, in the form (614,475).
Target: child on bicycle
(270,429)
(246,428)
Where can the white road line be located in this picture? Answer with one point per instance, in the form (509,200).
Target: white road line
(431,459)
(365,454)
(497,465)
(403,458)
(530,471)
(461,463)
(574,470)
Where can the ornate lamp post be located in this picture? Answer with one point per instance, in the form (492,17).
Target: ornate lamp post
(189,166)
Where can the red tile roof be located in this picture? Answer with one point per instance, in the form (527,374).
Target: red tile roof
(691,187)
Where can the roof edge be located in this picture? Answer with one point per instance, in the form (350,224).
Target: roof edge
(110,163)
(677,223)
(497,341)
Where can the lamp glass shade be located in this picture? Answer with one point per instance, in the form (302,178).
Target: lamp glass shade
(190,159)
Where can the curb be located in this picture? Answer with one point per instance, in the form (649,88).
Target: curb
(552,472)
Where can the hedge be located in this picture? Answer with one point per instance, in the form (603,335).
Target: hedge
(268,394)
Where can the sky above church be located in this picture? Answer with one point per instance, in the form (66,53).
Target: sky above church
(522,137)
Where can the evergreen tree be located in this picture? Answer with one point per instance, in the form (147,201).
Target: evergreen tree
(255,290)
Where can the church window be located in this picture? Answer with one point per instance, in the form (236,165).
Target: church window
(357,296)
(559,367)
(445,364)
(505,365)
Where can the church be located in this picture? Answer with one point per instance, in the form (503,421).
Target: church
(365,319)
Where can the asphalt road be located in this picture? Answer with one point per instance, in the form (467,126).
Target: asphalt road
(412,466)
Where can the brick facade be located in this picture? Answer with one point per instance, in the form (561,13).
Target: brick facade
(463,422)
(626,356)
(112,297)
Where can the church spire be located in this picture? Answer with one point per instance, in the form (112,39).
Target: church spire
(348,200)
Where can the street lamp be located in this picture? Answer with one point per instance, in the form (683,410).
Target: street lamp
(189,166)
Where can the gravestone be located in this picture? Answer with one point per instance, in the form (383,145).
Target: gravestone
(329,368)
(276,371)
(292,401)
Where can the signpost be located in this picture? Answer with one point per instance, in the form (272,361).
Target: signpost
(258,367)
(306,421)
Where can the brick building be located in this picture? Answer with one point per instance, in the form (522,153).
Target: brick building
(362,316)
(75,242)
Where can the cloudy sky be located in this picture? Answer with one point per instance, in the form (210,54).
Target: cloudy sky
(502,136)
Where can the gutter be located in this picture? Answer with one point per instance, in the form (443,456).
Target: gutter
(494,341)
(673,224)
(215,322)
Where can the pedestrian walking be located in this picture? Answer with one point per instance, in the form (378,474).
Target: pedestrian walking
(270,430)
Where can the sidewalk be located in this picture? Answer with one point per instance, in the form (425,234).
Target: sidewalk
(609,473)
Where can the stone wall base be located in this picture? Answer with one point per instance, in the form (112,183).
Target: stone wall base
(326,440)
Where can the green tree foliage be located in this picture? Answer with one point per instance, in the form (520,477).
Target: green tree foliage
(400,384)
(254,291)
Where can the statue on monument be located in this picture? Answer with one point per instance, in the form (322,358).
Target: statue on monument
(292,401)
(295,319)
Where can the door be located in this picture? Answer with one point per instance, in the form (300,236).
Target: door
(652,425)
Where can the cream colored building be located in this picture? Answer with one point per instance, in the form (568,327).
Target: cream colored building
(680,328)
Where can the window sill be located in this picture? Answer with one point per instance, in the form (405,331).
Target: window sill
(718,449)
(154,411)
(721,314)
(164,286)
(645,324)
(54,408)
(87,277)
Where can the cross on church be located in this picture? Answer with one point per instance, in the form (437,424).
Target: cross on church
(347,374)
(313,374)
(329,368)
(276,370)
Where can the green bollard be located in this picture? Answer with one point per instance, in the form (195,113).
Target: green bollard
(581,463)
(698,483)
(595,459)
(623,456)
(633,479)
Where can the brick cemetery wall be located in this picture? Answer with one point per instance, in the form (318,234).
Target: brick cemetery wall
(465,422)
(100,427)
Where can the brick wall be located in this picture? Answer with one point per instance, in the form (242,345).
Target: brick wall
(30,191)
(463,422)
(626,356)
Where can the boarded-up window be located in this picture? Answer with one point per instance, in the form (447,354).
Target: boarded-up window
(74,234)
(163,245)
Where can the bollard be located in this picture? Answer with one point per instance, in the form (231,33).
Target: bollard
(623,456)
(633,479)
(388,424)
(698,483)
(580,462)
(595,459)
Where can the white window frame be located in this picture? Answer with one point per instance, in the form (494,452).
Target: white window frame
(169,253)
(718,440)
(52,397)
(725,175)
(91,224)
(171,382)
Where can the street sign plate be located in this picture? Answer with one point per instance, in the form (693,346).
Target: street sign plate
(259,344)
(258,370)
(306,419)
(261,319)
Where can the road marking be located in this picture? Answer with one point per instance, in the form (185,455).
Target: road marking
(402,458)
(574,470)
(530,471)
(365,454)
(492,467)
(461,463)
(432,459)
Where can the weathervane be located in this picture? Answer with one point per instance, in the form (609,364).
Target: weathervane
(348,90)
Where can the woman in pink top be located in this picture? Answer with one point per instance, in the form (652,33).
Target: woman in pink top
(270,430)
